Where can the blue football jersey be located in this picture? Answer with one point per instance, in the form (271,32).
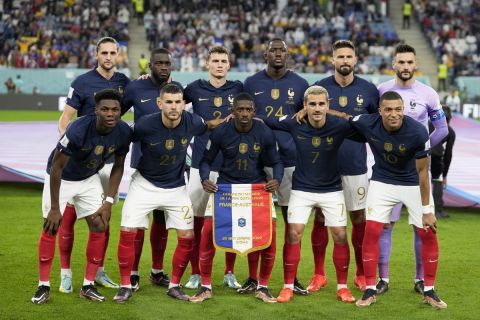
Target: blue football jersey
(244,154)
(317,152)
(83,88)
(276,98)
(210,103)
(359,97)
(394,153)
(164,150)
(88,150)
(142,96)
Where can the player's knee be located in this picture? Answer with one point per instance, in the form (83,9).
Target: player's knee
(357,216)
(186,234)
(294,235)
(339,234)
(96,225)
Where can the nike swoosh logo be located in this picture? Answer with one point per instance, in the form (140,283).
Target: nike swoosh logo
(301,138)
(44,259)
(366,260)
(230,147)
(96,260)
(142,101)
(374,140)
(432,261)
(154,144)
(202,99)
(257,93)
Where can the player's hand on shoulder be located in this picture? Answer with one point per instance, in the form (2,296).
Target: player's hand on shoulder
(300,116)
(52,222)
(272,185)
(209,186)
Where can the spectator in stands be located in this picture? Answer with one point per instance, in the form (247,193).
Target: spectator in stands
(139,10)
(442,76)
(10,85)
(453,101)
(143,64)
(18,84)
(407,13)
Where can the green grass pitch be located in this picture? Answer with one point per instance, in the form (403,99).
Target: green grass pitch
(21,222)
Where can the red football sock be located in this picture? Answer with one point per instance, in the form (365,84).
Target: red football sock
(373,230)
(95,252)
(66,235)
(46,252)
(107,238)
(319,239)
(430,255)
(180,259)
(207,252)
(341,260)
(138,245)
(358,231)
(126,255)
(197,229)
(253,258)
(291,258)
(230,258)
(268,258)
(158,241)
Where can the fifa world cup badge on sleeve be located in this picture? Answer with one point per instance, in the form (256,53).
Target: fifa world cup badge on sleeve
(242,218)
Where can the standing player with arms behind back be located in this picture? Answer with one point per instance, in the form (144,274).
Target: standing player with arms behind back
(80,101)
(422,104)
(210,99)
(277,91)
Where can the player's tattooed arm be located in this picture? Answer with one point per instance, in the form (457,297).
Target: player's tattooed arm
(339,114)
(54,217)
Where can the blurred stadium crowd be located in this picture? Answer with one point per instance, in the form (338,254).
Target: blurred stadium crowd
(62,33)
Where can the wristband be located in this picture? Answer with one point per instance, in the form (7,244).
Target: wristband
(427,209)
(109,200)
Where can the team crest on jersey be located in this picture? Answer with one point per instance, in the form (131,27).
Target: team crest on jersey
(275,94)
(402,148)
(111,149)
(359,100)
(184,141)
(243,148)
(169,144)
(98,150)
(388,146)
(256,147)
(329,140)
(217,101)
(343,101)
(230,99)
(316,141)
(120,90)
(413,104)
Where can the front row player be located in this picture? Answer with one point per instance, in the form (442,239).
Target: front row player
(316,183)
(159,183)
(400,146)
(72,176)
(244,144)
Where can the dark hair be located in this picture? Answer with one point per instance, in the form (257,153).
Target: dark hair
(404,48)
(218,49)
(108,94)
(242,96)
(159,50)
(390,95)
(170,88)
(276,39)
(106,40)
(339,44)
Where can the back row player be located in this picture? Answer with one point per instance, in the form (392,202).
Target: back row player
(210,100)
(80,100)
(276,91)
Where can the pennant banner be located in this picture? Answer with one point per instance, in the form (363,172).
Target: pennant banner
(242,218)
